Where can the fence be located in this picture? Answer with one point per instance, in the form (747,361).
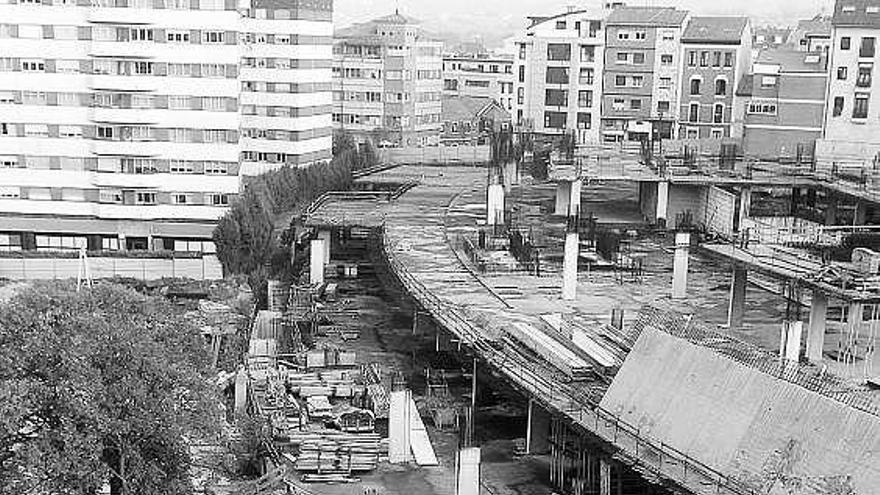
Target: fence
(205,268)
(446,155)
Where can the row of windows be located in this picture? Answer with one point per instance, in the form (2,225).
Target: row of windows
(284,134)
(561,75)
(73,242)
(559,98)
(860,106)
(113,196)
(116,33)
(137,4)
(283,87)
(390,121)
(697,85)
(120,133)
(867,45)
(559,120)
(561,52)
(394,97)
(119,67)
(474,67)
(694,112)
(120,100)
(584,28)
(119,165)
(864,77)
(718,59)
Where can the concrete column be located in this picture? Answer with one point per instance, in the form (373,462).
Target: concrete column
(745,205)
(816,332)
(680,265)
(241,385)
(737,305)
(495,205)
(860,216)
(570,266)
(399,445)
(510,171)
(537,429)
(316,262)
(604,476)
(563,197)
(790,342)
(467,472)
(326,236)
(662,203)
(574,200)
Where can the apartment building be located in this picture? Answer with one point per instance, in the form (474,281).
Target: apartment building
(388,82)
(852,116)
(558,73)
(642,73)
(717,54)
(479,75)
(125,124)
(783,104)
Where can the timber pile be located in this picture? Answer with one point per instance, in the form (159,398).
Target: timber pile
(331,452)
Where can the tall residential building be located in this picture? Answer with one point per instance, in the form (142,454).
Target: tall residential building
(479,75)
(558,73)
(783,103)
(717,54)
(388,82)
(125,124)
(852,119)
(642,73)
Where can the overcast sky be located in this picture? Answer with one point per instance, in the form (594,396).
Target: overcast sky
(501,17)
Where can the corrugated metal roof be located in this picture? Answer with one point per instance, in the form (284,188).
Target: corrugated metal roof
(715,29)
(647,16)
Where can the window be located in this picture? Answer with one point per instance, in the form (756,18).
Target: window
(141,101)
(864,79)
(110,196)
(65,32)
(588,53)
(768,81)
(141,34)
(181,167)
(716,59)
(33,65)
(7,97)
(560,25)
(838,106)
(717,133)
(720,87)
(36,130)
(762,108)
(70,131)
(622,57)
(692,58)
(555,120)
(213,37)
(522,73)
(692,133)
(638,58)
(635,104)
(178,135)
(522,51)
(665,82)
(638,81)
(641,35)
(33,97)
(585,76)
(67,66)
(620,81)
(695,86)
(214,103)
(8,192)
(668,35)
(584,120)
(180,70)
(218,199)
(585,98)
(178,102)
(718,114)
(559,52)
(704,59)
(556,97)
(595,26)
(694,112)
(618,104)
(6,129)
(145,198)
(557,75)
(665,59)
(30,31)
(213,70)
(520,96)
(216,168)
(214,135)
(728,59)
(623,35)
(662,107)
(841,73)
(866,50)
(845,43)
(174,36)
(143,68)
(179,199)
(860,106)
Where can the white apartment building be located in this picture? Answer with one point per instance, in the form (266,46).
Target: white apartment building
(481,75)
(387,82)
(126,124)
(558,72)
(852,108)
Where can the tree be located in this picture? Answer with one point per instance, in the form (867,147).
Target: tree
(96,386)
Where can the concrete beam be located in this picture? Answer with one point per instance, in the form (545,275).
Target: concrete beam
(816,331)
(570,266)
(495,205)
(680,265)
(316,262)
(736,308)
(537,429)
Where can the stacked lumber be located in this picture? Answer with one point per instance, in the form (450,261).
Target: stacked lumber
(337,452)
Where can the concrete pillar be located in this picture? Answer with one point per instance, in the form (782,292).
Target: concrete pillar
(574,200)
(662,203)
(570,266)
(860,216)
(510,172)
(816,331)
(790,342)
(467,472)
(736,307)
(326,236)
(316,262)
(563,198)
(745,205)
(680,265)
(495,205)
(241,385)
(399,444)
(537,429)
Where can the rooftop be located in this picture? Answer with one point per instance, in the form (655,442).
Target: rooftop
(459,108)
(371,28)
(647,16)
(790,60)
(817,26)
(715,29)
(857,13)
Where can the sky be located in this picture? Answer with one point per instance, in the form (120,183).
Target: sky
(496,19)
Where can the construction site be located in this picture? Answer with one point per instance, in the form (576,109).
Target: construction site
(599,322)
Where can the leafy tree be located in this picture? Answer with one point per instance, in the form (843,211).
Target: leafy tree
(96,386)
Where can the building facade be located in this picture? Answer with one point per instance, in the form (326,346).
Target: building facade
(783,104)
(852,115)
(717,54)
(126,124)
(470,120)
(812,35)
(558,73)
(388,82)
(479,75)
(642,73)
